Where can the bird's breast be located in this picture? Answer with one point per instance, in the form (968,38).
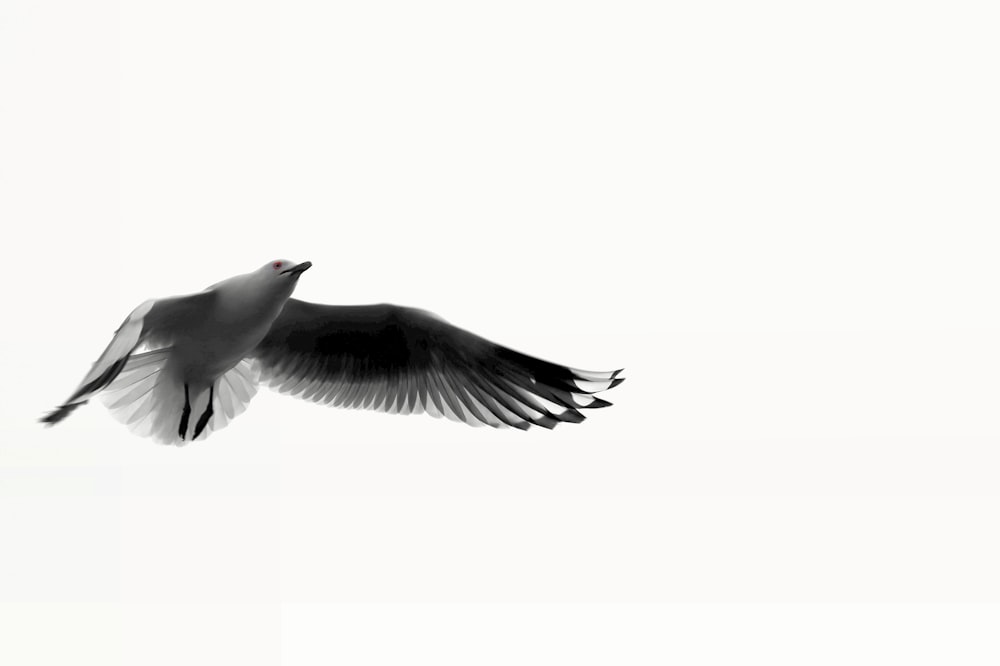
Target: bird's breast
(217,344)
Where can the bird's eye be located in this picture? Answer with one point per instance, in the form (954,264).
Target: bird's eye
(277,265)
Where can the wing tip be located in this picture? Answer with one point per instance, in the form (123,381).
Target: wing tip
(58,414)
(593,375)
(571,416)
(547,421)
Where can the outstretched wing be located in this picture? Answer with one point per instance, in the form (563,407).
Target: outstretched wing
(404,360)
(154,324)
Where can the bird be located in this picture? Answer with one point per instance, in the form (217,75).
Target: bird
(182,367)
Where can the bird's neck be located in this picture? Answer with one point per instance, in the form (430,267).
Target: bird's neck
(246,301)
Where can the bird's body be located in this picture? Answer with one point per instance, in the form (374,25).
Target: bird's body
(204,355)
(211,346)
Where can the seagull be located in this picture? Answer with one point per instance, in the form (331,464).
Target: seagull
(180,368)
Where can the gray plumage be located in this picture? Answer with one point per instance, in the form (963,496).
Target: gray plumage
(179,368)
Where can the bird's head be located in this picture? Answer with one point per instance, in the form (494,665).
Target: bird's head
(281,275)
(263,290)
(284,269)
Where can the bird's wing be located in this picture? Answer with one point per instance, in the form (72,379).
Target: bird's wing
(153,324)
(404,360)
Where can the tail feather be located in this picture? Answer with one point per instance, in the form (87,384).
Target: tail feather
(148,397)
(233,392)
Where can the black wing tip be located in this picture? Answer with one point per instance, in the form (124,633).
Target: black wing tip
(58,414)
(571,416)
(598,403)
(546,421)
(593,376)
(550,421)
(576,376)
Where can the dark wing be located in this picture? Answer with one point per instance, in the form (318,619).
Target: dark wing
(153,324)
(404,360)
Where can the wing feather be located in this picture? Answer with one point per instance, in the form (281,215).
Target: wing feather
(152,325)
(409,361)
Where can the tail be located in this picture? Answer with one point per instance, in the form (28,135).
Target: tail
(148,397)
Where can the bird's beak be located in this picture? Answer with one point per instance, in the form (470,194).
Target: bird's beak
(298,269)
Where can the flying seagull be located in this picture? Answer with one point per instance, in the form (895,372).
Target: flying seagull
(179,368)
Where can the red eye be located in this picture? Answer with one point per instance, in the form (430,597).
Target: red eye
(277,265)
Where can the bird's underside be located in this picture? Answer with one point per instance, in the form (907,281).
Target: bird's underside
(383,357)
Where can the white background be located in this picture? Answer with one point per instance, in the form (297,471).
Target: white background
(780,218)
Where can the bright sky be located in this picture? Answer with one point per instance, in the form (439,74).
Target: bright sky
(780,218)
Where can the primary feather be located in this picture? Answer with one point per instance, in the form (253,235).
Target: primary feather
(405,360)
